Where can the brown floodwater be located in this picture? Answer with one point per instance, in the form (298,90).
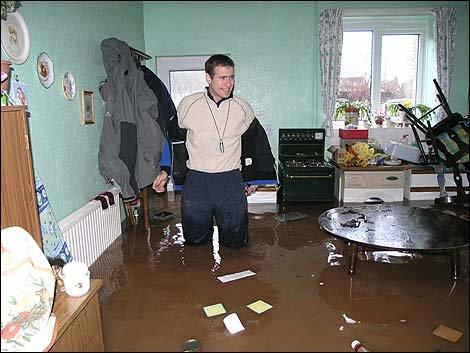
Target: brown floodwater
(155,288)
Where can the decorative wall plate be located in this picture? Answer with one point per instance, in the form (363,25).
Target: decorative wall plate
(68,86)
(15,38)
(45,70)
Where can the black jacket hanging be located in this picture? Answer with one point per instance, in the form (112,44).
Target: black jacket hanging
(166,107)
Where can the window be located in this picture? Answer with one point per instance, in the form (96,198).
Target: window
(182,75)
(356,66)
(386,60)
(183,83)
(398,73)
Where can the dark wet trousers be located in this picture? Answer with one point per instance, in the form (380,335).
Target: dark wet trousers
(222,195)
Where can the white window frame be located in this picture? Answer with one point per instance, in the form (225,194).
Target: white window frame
(166,64)
(381,25)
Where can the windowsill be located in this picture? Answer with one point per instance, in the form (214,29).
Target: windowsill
(382,135)
(339,124)
(376,127)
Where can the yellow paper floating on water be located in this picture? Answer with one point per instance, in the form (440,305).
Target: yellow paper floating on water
(259,306)
(213,310)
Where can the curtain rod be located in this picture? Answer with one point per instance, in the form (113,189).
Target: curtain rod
(386,12)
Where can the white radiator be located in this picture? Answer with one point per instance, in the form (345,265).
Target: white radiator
(90,230)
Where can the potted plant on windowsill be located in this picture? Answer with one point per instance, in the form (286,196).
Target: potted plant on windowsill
(351,111)
(394,110)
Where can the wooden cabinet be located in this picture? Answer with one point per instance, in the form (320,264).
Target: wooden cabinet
(19,207)
(78,321)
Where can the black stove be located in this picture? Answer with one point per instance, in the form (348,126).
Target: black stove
(301,165)
(304,175)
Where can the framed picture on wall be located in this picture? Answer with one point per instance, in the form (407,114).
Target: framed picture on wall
(19,93)
(88,107)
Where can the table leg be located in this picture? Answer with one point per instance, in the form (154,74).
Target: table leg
(455,264)
(352,257)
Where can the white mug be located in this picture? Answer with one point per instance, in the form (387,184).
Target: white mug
(76,278)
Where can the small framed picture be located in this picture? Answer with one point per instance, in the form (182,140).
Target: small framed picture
(19,93)
(88,107)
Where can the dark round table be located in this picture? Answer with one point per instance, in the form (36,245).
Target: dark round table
(397,227)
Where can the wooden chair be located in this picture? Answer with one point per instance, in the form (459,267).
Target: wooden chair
(449,139)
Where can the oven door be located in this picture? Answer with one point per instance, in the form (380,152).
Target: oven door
(307,186)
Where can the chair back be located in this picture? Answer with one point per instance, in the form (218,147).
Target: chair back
(450,138)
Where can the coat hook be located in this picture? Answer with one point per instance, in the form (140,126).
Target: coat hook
(16,78)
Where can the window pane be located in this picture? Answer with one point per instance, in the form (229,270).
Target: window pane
(183,83)
(399,68)
(356,64)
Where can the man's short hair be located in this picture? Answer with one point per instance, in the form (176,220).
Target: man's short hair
(217,60)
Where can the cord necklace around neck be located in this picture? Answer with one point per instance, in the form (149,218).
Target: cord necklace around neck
(221,138)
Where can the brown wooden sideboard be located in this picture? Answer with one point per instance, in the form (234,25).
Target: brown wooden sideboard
(19,202)
(79,327)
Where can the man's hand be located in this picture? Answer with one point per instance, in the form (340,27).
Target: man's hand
(250,189)
(160,181)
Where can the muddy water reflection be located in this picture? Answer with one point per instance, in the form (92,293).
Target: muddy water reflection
(157,288)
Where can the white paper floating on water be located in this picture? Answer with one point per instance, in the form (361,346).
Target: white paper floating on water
(349,320)
(233,323)
(234,276)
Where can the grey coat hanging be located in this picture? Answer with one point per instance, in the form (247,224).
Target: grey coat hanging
(131,141)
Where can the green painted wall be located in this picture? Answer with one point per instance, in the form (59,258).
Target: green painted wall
(65,153)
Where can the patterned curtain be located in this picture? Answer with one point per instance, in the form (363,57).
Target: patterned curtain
(444,36)
(331,45)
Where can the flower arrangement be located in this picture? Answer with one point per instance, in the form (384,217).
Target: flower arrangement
(358,154)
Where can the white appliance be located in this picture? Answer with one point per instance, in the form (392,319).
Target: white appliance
(262,201)
(358,186)
(261,196)
(402,151)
